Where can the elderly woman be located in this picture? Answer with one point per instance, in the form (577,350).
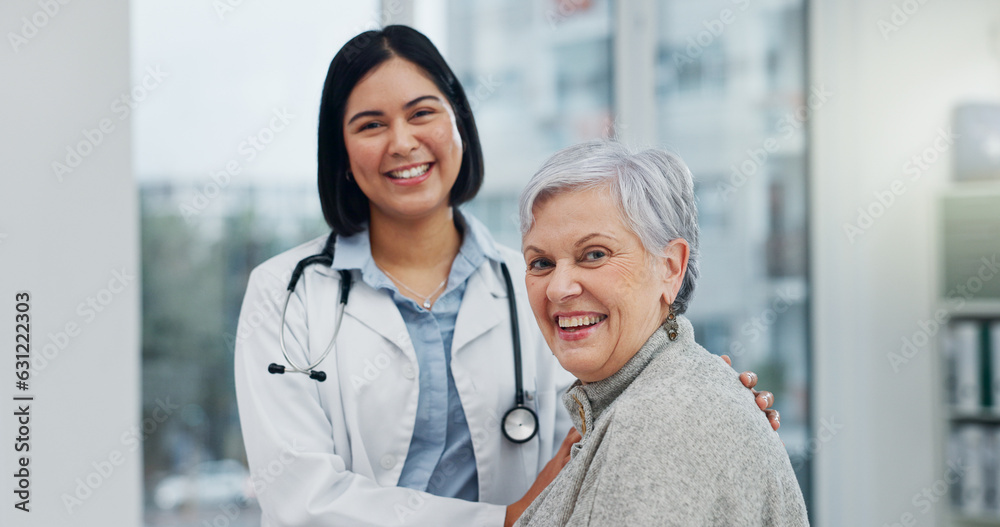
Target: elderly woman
(670,436)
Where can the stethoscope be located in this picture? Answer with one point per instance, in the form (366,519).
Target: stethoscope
(520,423)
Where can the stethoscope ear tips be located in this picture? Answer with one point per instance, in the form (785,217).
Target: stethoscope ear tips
(313,374)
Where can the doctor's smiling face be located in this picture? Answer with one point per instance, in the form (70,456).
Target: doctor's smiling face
(597,294)
(401,138)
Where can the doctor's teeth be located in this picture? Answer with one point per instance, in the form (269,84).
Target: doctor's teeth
(572,322)
(410,172)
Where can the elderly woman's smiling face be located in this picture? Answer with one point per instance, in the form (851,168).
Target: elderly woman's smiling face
(596,292)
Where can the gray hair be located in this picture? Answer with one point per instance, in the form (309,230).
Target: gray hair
(653,189)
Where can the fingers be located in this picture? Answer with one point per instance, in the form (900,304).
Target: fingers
(774,417)
(764,400)
(728,360)
(572,437)
(563,456)
(749,379)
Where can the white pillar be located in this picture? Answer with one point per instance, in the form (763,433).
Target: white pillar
(892,90)
(635,46)
(69,237)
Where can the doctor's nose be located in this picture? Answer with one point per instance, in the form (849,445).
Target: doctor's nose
(402,140)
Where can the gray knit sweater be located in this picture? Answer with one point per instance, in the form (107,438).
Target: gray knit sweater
(672,438)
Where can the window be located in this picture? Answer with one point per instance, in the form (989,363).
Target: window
(728,79)
(540,75)
(225,157)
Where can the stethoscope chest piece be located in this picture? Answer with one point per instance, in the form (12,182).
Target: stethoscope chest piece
(520,424)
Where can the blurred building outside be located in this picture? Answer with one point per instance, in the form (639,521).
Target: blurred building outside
(730,99)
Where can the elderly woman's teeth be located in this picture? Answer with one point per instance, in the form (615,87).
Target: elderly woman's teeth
(575,322)
(410,172)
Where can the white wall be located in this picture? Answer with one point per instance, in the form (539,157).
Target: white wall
(65,241)
(890,98)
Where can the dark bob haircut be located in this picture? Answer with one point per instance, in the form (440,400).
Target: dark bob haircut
(345,207)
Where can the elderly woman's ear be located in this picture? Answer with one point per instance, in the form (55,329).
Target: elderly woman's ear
(675,265)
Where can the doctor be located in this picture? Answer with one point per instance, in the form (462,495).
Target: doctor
(406,427)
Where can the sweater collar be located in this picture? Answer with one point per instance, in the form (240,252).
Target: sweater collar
(586,402)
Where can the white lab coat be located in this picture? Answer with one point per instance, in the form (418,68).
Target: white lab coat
(331,453)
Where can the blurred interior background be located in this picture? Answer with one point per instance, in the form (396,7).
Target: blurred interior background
(540,76)
(846,156)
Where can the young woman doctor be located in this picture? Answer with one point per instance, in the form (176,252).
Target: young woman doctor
(406,429)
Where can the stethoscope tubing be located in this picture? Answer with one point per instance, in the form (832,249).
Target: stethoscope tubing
(281,337)
(524,432)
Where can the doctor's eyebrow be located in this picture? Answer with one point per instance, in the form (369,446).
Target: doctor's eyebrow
(407,106)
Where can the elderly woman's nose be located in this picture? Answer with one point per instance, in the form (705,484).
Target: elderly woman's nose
(563,284)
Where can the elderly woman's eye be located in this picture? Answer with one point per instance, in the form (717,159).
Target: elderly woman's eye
(595,254)
(539,264)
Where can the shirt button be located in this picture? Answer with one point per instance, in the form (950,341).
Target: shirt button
(408,372)
(388,462)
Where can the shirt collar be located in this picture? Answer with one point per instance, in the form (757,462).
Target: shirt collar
(586,402)
(354,252)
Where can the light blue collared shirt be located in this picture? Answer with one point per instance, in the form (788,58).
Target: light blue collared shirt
(441,460)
